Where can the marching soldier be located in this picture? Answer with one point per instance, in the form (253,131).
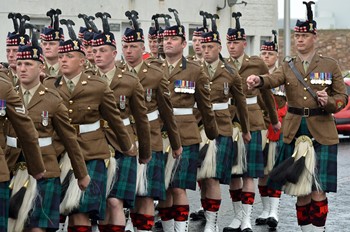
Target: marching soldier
(129,95)
(13,41)
(11,107)
(243,195)
(270,197)
(88,99)
(315,89)
(188,84)
(49,115)
(50,39)
(158,105)
(224,83)
(153,41)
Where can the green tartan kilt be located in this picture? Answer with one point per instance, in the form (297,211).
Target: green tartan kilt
(326,161)
(45,213)
(186,174)
(156,176)
(124,187)
(93,200)
(224,158)
(255,157)
(4,206)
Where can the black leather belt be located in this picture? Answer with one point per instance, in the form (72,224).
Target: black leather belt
(307,112)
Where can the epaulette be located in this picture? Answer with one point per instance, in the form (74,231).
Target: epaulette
(288,59)
(327,57)
(154,67)
(192,62)
(51,91)
(228,68)
(125,73)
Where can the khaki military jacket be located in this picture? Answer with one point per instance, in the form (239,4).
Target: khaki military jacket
(49,115)
(8,75)
(92,100)
(195,76)
(224,85)
(129,95)
(157,97)
(321,127)
(23,125)
(254,65)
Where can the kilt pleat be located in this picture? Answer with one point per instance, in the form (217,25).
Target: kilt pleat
(255,158)
(124,187)
(186,174)
(4,206)
(224,158)
(45,213)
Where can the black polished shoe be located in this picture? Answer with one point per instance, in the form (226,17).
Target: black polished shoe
(158,224)
(247,230)
(260,221)
(229,229)
(272,222)
(198,215)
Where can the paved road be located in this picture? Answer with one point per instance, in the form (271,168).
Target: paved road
(339,203)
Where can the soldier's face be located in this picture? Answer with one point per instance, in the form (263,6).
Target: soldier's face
(133,52)
(104,56)
(153,45)
(236,48)
(211,52)
(197,48)
(11,55)
(173,45)
(304,42)
(89,53)
(50,49)
(71,63)
(28,72)
(269,57)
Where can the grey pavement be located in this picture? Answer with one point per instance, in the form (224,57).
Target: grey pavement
(339,203)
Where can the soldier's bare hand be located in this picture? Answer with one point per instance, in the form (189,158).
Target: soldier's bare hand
(246,137)
(276,127)
(177,153)
(322,97)
(84,182)
(144,161)
(253,81)
(131,151)
(39,175)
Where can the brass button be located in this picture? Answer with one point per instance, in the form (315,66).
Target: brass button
(305,98)
(70,111)
(89,108)
(304,89)
(305,79)
(288,83)
(69,119)
(70,102)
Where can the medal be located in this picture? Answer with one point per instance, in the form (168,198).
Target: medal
(148,95)
(122,100)
(45,118)
(226,88)
(2,107)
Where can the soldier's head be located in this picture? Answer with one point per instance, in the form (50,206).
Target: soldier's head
(196,40)
(16,38)
(30,63)
(104,50)
(211,46)
(86,36)
(153,41)
(174,40)
(71,57)
(305,32)
(236,38)
(269,51)
(133,46)
(51,37)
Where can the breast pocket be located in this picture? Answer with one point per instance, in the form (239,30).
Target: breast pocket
(89,111)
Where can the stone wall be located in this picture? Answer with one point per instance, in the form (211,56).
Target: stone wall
(332,43)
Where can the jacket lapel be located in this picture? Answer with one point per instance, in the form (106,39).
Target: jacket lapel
(37,97)
(80,85)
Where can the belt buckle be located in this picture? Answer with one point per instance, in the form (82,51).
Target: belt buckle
(306,112)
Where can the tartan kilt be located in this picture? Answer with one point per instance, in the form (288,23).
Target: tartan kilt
(326,161)
(224,158)
(255,159)
(4,206)
(124,187)
(93,200)
(45,213)
(186,174)
(156,176)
